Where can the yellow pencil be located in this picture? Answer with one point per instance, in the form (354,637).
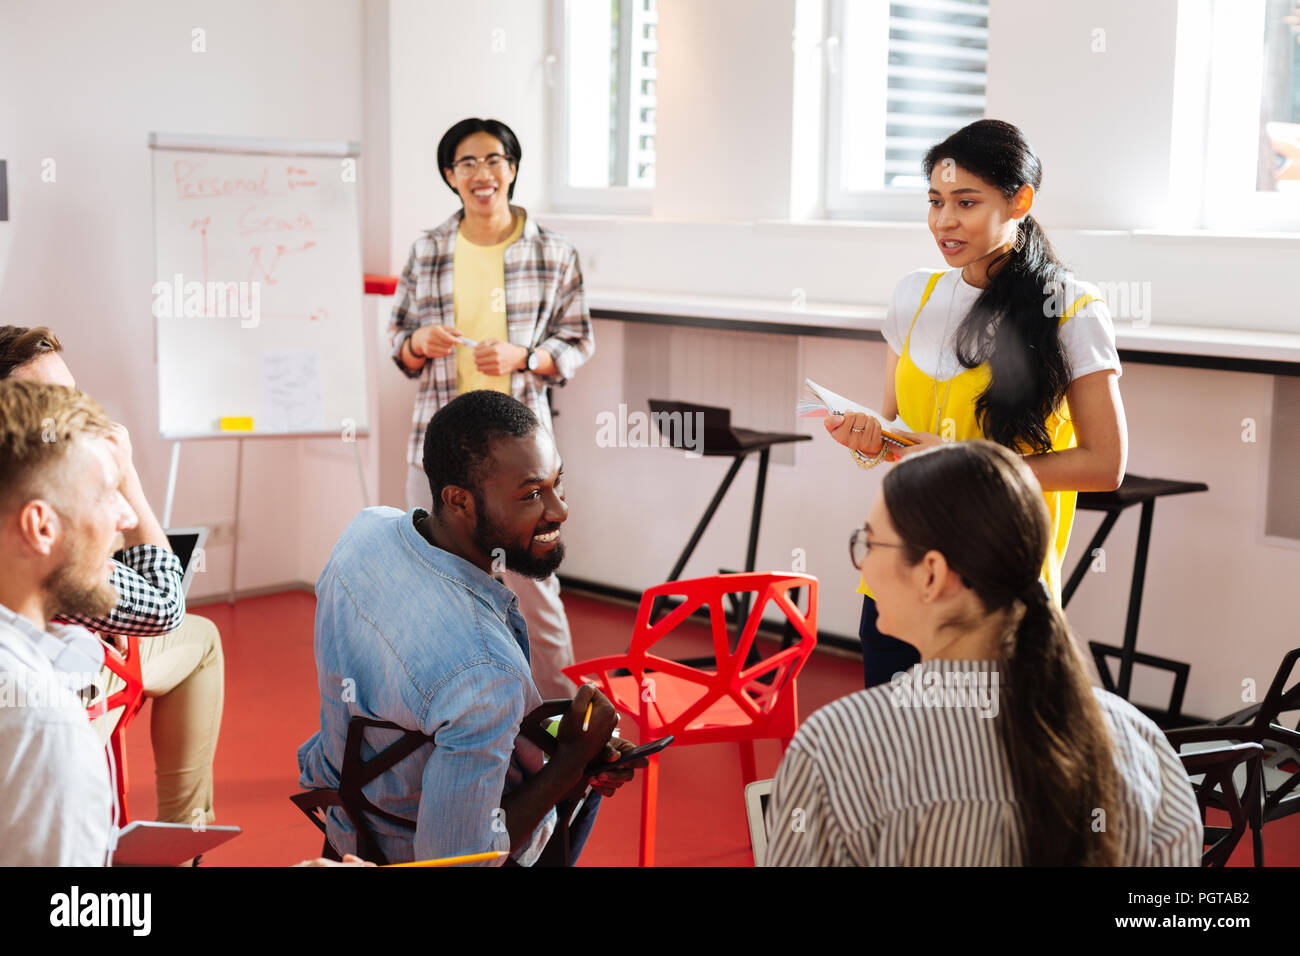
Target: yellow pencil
(586,721)
(457,860)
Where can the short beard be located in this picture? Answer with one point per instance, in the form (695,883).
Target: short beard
(523,562)
(488,536)
(69,597)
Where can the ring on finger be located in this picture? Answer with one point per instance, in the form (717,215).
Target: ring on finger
(857,429)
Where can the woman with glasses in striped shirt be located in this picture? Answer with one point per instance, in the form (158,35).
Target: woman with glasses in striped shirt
(994,750)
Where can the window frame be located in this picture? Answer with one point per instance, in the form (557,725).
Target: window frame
(896,204)
(1215,109)
(626,200)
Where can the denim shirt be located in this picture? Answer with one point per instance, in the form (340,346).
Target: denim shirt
(414,635)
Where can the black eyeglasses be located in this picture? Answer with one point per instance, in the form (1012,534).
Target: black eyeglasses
(468,165)
(860,547)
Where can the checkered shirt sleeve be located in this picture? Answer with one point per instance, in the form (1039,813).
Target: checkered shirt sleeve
(150,600)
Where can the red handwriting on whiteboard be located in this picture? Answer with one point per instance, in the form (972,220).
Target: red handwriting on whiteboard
(191,183)
(268,263)
(298,178)
(202,225)
(315,315)
(257,219)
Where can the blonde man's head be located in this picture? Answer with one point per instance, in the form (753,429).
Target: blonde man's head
(39,428)
(62,513)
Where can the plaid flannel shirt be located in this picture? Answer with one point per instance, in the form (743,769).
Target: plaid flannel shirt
(150,599)
(545,309)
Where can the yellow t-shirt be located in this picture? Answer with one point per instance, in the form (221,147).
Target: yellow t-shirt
(480,303)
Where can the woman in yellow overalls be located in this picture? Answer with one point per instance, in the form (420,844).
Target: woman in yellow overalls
(1004,345)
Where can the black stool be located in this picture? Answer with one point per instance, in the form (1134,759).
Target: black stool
(721,440)
(1134,490)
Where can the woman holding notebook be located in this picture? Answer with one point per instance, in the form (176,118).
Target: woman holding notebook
(1005,345)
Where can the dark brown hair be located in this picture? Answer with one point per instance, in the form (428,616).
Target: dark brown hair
(979,505)
(1012,324)
(19,345)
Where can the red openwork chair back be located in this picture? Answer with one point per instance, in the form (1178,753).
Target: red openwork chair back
(129,697)
(731,701)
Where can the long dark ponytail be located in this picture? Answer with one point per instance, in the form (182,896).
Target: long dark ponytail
(978,505)
(1013,323)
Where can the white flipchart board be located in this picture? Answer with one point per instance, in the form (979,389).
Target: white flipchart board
(258,287)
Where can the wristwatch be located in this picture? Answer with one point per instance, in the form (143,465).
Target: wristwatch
(533,360)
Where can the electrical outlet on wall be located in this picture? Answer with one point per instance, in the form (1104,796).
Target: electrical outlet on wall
(219,532)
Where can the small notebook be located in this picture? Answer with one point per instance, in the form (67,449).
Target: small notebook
(150,843)
(819,401)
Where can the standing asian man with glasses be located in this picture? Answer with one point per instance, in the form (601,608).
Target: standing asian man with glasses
(492,300)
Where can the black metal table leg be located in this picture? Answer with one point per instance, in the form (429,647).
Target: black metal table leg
(1085,562)
(700,528)
(751,552)
(1135,599)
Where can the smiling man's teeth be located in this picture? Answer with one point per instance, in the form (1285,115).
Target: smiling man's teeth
(548,537)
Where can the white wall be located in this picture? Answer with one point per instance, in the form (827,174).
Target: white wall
(84,85)
(449,61)
(1091,85)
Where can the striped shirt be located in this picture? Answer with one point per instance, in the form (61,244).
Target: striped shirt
(545,309)
(914,773)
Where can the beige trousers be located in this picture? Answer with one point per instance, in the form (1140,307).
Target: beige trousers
(184,676)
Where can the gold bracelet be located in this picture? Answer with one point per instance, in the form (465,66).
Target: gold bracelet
(869,463)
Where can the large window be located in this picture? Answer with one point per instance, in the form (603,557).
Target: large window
(901,77)
(1237,115)
(1278,166)
(603,73)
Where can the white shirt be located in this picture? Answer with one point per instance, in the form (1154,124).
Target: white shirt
(1088,339)
(55,798)
(914,773)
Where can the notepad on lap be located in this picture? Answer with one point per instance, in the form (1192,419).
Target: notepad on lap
(821,401)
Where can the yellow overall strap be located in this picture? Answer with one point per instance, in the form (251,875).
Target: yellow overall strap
(1075,306)
(929,287)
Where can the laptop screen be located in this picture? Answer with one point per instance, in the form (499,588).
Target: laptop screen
(187,542)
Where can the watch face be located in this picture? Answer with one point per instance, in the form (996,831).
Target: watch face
(532,361)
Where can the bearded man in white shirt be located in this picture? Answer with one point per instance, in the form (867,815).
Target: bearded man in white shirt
(61,519)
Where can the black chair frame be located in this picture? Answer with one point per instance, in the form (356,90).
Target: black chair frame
(354,776)
(1280,745)
(357,774)
(1218,788)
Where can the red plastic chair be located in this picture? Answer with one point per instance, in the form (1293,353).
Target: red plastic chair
(727,705)
(131,699)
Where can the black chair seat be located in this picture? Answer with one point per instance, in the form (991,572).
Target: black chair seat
(1135,490)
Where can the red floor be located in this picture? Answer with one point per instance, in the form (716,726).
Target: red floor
(271,707)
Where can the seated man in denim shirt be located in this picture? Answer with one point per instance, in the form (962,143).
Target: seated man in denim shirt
(411,628)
